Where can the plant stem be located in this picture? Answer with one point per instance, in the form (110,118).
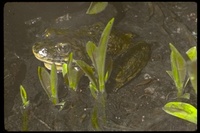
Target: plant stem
(179,93)
(98,113)
(25,120)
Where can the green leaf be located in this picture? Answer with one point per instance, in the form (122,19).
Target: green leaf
(88,71)
(101,54)
(44,78)
(192,72)
(192,53)
(93,90)
(70,61)
(64,69)
(108,69)
(71,73)
(182,110)
(91,49)
(96,7)
(74,78)
(24,97)
(65,73)
(178,65)
(74,74)
(66,80)
(170,74)
(54,80)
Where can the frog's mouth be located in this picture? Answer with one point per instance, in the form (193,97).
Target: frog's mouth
(58,66)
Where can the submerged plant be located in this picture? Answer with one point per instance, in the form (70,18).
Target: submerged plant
(24,97)
(98,74)
(71,74)
(49,83)
(178,73)
(25,103)
(183,110)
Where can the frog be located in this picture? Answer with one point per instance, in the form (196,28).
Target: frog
(128,53)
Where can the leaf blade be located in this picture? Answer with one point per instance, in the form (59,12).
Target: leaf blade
(91,49)
(192,72)
(192,53)
(102,48)
(88,71)
(96,7)
(44,78)
(182,110)
(178,65)
(54,82)
(64,69)
(24,96)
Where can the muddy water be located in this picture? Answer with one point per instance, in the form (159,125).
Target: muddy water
(135,107)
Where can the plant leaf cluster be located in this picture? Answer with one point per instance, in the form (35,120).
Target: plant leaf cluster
(25,103)
(49,82)
(98,73)
(71,74)
(179,71)
(24,97)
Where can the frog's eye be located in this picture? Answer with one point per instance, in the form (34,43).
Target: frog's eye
(62,47)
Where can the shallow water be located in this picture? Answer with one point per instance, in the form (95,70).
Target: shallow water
(135,107)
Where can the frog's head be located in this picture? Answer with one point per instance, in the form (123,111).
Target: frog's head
(57,44)
(50,52)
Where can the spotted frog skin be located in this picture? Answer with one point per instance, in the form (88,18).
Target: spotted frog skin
(128,54)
